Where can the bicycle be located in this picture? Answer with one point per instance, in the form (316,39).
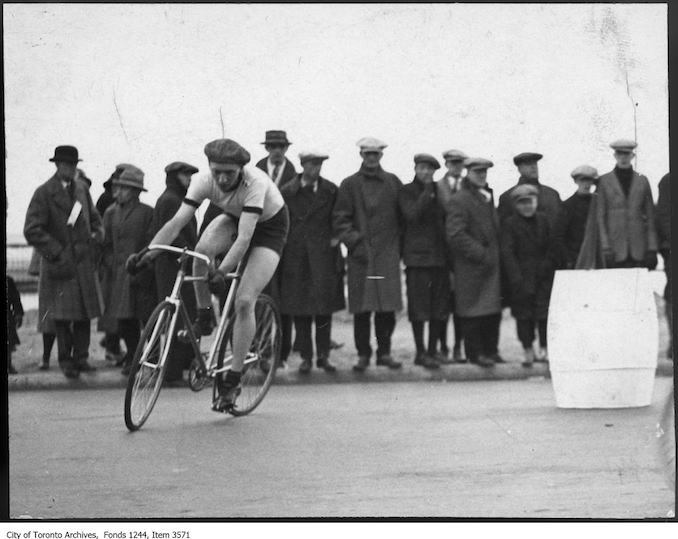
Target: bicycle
(149,364)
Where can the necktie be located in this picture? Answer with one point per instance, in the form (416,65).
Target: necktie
(276,169)
(70,189)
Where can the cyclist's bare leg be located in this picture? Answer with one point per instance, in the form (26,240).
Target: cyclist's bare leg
(260,267)
(216,239)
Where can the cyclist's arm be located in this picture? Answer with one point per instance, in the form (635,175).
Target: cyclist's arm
(170,230)
(246,226)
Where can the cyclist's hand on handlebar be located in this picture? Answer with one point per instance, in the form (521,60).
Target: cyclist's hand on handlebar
(216,280)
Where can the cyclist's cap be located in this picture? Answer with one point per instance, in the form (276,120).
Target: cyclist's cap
(226,151)
(180,166)
(309,155)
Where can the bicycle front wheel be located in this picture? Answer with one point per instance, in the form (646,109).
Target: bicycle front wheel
(262,360)
(148,367)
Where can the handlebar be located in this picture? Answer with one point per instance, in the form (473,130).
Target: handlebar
(179,250)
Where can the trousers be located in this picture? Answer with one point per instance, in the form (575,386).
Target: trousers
(384,324)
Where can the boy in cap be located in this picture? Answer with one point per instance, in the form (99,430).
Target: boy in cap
(253,223)
(548,198)
(527,255)
(625,213)
(309,278)
(424,255)
(472,229)
(128,229)
(568,233)
(367,220)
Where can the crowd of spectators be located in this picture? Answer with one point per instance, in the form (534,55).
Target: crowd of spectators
(463,254)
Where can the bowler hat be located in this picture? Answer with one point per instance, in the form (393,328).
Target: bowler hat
(132,177)
(426,158)
(66,154)
(527,157)
(308,155)
(477,163)
(454,155)
(226,151)
(524,190)
(180,166)
(623,145)
(276,137)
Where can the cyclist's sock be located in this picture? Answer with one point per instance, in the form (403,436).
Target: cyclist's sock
(232,378)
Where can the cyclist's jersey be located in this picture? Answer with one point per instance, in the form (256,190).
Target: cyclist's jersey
(256,193)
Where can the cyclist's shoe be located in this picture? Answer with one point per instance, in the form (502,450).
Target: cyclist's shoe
(204,323)
(228,390)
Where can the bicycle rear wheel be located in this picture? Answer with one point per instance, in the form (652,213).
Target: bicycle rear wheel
(148,371)
(262,360)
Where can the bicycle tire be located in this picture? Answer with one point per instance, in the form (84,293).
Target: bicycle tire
(262,362)
(144,382)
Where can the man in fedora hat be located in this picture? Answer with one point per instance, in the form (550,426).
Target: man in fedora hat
(64,226)
(128,226)
(276,165)
(625,213)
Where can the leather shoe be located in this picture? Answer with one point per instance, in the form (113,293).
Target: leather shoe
(424,360)
(363,363)
(388,361)
(497,358)
(456,355)
(324,363)
(84,366)
(70,370)
(306,366)
(443,358)
(485,361)
(44,366)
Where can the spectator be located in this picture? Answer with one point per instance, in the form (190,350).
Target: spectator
(548,200)
(129,227)
(625,213)
(527,255)
(448,185)
(80,175)
(308,267)
(15,316)
(64,226)
(177,180)
(664,238)
(473,230)
(366,219)
(568,233)
(45,322)
(425,258)
(111,340)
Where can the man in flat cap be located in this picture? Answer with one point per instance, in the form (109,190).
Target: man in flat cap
(568,233)
(254,222)
(309,268)
(424,255)
(548,198)
(664,239)
(64,227)
(472,227)
(367,220)
(529,260)
(625,213)
(448,185)
(128,229)
(177,179)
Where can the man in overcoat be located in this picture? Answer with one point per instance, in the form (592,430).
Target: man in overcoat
(309,273)
(447,186)
(128,228)
(367,220)
(177,179)
(664,239)
(63,225)
(548,200)
(625,213)
(425,258)
(472,227)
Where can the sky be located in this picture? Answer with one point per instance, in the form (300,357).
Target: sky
(151,84)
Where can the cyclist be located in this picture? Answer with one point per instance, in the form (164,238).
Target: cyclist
(254,223)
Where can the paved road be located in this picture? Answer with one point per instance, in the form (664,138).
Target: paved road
(456,449)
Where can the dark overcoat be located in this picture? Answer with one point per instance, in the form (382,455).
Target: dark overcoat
(310,264)
(626,224)
(367,220)
(548,201)
(288,173)
(663,213)
(570,228)
(15,311)
(68,283)
(424,243)
(472,227)
(129,229)
(528,253)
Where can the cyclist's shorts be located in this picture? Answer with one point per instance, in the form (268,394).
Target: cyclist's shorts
(273,232)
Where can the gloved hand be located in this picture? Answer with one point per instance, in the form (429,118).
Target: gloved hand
(137,262)
(216,281)
(650,261)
